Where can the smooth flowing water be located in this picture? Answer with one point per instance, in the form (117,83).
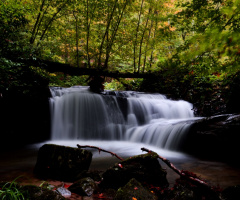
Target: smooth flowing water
(128,116)
(121,122)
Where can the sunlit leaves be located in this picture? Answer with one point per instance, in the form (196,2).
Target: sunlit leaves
(209,32)
(102,33)
(12,25)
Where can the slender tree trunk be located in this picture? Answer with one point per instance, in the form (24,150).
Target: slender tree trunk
(109,47)
(51,20)
(77,38)
(88,32)
(40,22)
(49,23)
(106,32)
(136,37)
(141,42)
(146,47)
(151,57)
(37,23)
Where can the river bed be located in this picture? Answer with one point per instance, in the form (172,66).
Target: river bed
(20,162)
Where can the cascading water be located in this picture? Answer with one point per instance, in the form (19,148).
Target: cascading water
(78,114)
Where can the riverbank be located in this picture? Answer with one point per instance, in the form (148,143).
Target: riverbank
(20,163)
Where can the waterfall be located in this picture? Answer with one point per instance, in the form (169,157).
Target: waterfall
(152,119)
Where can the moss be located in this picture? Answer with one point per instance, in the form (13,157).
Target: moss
(134,190)
(144,168)
(38,193)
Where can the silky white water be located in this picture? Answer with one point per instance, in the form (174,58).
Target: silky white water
(139,118)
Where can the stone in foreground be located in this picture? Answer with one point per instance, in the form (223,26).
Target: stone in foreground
(134,190)
(61,162)
(83,187)
(144,168)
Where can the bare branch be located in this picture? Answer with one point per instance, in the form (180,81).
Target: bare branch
(179,172)
(100,149)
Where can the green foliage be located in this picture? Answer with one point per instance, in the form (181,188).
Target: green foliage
(105,34)
(113,85)
(13,32)
(209,35)
(62,80)
(133,84)
(197,40)
(18,79)
(11,191)
(133,36)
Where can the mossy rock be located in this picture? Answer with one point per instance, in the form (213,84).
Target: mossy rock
(62,162)
(144,168)
(187,190)
(84,187)
(134,190)
(38,193)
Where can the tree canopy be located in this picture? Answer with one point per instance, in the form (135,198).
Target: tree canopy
(184,44)
(123,35)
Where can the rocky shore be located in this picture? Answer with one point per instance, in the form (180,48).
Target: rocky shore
(137,177)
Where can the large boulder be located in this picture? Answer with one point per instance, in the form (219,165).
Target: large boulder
(215,137)
(144,168)
(61,162)
(231,193)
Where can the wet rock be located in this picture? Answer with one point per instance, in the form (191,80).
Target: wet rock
(134,190)
(84,187)
(38,193)
(64,192)
(93,174)
(144,168)
(215,137)
(187,192)
(185,189)
(61,162)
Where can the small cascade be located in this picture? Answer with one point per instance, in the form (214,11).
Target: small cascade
(119,116)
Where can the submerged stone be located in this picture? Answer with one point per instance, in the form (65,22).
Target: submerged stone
(144,168)
(61,162)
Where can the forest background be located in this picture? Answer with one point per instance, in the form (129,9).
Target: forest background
(189,48)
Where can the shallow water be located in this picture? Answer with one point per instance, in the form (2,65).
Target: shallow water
(22,161)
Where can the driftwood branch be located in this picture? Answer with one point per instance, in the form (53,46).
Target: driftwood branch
(100,149)
(179,172)
(182,173)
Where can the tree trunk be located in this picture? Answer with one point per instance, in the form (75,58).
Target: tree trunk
(136,37)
